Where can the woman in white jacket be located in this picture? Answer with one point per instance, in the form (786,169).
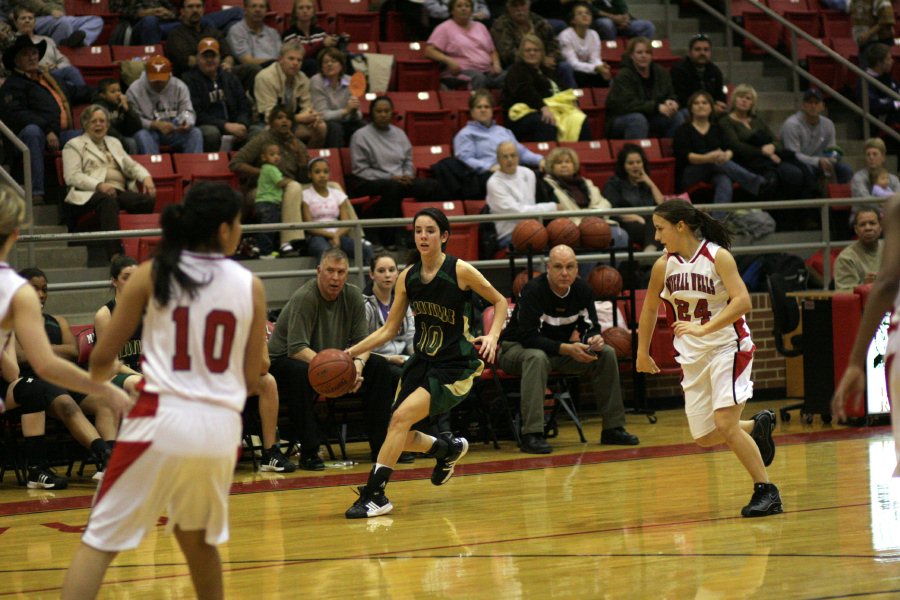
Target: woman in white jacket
(102,178)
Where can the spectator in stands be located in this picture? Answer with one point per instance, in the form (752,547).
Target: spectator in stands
(124,121)
(152,20)
(284,82)
(881,64)
(554,326)
(881,184)
(248,163)
(439,11)
(615,21)
(697,72)
(512,189)
(218,99)
(324,200)
(383,271)
(252,41)
(53,21)
(305,30)
(102,178)
(59,402)
(508,30)
(331,98)
(465,48)
(580,47)
(60,68)
(875,155)
(183,41)
(164,105)
(128,374)
(642,100)
(528,82)
(476,143)
(756,149)
(327,312)
(859,262)
(381,159)
(574,192)
(34,106)
(701,155)
(269,197)
(810,136)
(872,22)
(631,187)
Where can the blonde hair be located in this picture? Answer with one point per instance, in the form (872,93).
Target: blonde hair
(744,89)
(876,143)
(556,154)
(530,38)
(12,211)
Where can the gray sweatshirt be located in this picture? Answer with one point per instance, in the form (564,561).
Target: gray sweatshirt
(172,104)
(807,141)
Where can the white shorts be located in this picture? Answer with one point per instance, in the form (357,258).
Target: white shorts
(720,379)
(176,457)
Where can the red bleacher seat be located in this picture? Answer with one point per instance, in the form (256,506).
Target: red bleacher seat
(425,156)
(140,248)
(94,62)
(611,51)
(169,184)
(592,151)
(347,6)
(416,74)
(285,7)
(394,26)
(359,26)
(762,26)
(122,53)
(411,50)
(204,166)
(362,47)
(421,100)
(836,25)
(474,207)
(334,163)
(427,127)
(540,147)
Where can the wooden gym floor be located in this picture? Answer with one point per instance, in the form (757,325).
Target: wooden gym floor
(660,520)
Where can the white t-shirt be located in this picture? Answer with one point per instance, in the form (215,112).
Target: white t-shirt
(324,208)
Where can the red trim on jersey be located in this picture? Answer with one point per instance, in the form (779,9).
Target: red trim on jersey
(740,328)
(124,455)
(741,362)
(675,256)
(670,312)
(146,406)
(703,250)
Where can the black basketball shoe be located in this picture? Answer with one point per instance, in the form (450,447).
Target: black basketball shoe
(369,505)
(763,426)
(765,501)
(443,469)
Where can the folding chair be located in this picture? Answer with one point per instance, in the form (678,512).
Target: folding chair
(205,166)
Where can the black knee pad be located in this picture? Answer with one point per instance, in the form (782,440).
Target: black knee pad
(33,395)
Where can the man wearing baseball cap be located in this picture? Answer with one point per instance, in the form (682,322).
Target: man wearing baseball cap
(181,43)
(811,137)
(164,105)
(218,98)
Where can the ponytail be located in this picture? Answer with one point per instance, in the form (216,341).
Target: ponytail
(701,223)
(193,225)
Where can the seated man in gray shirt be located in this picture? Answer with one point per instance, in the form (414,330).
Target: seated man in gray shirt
(811,137)
(859,262)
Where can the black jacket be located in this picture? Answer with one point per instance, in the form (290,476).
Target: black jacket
(219,102)
(686,81)
(121,123)
(25,102)
(526,84)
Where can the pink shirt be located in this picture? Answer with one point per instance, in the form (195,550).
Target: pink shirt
(324,208)
(470,47)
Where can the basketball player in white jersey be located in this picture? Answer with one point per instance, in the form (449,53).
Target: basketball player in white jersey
(884,295)
(20,313)
(706,299)
(202,354)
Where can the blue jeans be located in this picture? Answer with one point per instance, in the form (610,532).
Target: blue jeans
(61,28)
(151,30)
(267,212)
(149,140)
(36,140)
(68,76)
(316,245)
(635,126)
(721,177)
(842,172)
(479,80)
(637,27)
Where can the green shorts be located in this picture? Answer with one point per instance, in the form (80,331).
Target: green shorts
(448,382)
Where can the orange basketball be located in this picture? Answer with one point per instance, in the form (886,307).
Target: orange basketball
(520,280)
(529,233)
(563,231)
(619,339)
(605,281)
(595,233)
(332,373)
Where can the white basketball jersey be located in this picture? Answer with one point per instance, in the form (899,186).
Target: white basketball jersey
(194,347)
(693,291)
(10,282)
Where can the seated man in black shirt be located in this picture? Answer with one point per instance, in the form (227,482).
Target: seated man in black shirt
(537,340)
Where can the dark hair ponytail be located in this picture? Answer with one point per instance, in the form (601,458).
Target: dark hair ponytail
(193,225)
(699,221)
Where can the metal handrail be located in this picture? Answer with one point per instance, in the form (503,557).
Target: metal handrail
(27,191)
(824,205)
(797,71)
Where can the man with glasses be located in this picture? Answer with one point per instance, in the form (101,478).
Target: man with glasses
(697,72)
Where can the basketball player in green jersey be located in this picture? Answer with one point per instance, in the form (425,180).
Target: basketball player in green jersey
(446,362)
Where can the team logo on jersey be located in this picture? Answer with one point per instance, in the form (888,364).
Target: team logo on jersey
(697,282)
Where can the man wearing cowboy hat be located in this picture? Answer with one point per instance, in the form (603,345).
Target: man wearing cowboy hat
(35,107)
